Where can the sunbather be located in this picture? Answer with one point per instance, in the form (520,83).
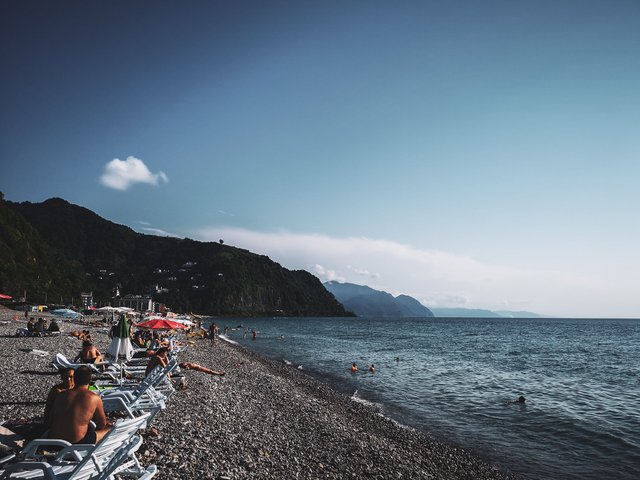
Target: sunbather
(198,368)
(66,374)
(74,408)
(89,353)
(160,358)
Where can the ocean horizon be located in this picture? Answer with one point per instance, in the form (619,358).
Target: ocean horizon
(454,378)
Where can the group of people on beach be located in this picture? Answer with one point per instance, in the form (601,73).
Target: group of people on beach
(41,327)
(71,405)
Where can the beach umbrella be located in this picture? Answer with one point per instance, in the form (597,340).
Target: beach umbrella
(121,347)
(161,324)
(183,321)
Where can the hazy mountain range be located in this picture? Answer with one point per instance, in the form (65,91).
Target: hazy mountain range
(365,301)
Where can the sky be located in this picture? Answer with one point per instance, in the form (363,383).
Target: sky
(469,154)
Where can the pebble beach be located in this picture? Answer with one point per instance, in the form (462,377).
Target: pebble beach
(262,420)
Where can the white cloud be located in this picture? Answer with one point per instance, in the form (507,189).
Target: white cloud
(435,277)
(120,175)
(363,272)
(159,232)
(325,275)
(147,228)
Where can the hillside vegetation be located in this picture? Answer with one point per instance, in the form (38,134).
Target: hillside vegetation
(75,250)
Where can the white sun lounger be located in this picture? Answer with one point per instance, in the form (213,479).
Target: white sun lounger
(114,454)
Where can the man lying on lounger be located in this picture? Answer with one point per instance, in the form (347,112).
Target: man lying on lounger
(74,408)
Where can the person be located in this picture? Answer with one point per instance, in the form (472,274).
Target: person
(198,368)
(89,353)
(54,327)
(372,368)
(160,358)
(520,399)
(212,333)
(254,334)
(66,374)
(74,408)
(39,328)
(31,325)
(354,367)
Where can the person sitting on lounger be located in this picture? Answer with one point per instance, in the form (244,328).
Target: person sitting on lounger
(198,368)
(66,374)
(74,408)
(89,353)
(160,358)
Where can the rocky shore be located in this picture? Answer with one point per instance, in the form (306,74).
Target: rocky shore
(262,420)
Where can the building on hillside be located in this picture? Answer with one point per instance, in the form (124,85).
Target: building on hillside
(141,303)
(87,300)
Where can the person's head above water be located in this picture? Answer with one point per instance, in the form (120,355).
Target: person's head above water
(521,399)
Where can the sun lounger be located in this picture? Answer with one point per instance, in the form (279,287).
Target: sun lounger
(144,397)
(114,454)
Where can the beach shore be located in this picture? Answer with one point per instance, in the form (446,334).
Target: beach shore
(262,420)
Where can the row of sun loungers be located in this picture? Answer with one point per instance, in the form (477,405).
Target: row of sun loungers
(115,455)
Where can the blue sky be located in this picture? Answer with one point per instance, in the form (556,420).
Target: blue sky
(470,154)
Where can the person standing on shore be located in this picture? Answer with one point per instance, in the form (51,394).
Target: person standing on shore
(212,333)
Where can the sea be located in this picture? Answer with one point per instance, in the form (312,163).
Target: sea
(454,379)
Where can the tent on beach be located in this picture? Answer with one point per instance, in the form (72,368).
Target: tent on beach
(66,313)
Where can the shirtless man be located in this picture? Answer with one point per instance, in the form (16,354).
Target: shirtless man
(160,358)
(73,409)
(67,375)
(89,353)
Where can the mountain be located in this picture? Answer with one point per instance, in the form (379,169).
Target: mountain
(366,302)
(479,313)
(29,264)
(94,254)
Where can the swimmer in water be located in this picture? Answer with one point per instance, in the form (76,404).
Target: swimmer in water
(354,367)
(372,368)
(520,399)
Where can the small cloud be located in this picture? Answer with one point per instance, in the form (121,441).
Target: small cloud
(120,175)
(222,212)
(159,232)
(325,275)
(363,273)
(147,228)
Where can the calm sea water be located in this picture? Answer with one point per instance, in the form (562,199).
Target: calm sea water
(453,378)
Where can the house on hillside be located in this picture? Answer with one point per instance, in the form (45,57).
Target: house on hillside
(141,303)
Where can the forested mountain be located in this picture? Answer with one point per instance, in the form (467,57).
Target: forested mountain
(187,275)
(366,302)
(28,264)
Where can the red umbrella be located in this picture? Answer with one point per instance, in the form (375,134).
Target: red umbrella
(161,324)
(5,297)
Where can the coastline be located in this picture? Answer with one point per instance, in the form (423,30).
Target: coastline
(263,419)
